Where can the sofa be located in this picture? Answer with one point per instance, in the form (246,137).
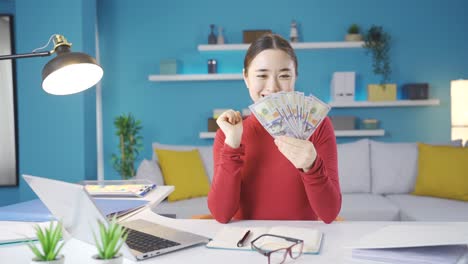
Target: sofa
(376,179)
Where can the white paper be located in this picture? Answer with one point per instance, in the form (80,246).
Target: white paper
(19,231)
(398,236)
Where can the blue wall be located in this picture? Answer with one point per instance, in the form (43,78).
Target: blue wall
(57,134)
(428,46)
(53,131)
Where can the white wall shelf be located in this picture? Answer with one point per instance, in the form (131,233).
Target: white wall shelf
(397,103)
(196,77)
(360,133)
(299,45)
(207,134)
(338,133)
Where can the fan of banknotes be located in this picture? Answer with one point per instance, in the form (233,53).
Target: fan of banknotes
(290,113)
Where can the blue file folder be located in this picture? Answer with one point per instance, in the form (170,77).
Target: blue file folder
(36,211)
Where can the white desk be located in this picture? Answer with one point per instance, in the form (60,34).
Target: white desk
(337,235)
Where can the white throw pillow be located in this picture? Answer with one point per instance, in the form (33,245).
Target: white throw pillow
(206,153)
(354,167)
(394,167)
(149,170)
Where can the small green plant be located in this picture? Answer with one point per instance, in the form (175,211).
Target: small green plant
(108,246)
(49,239)
(354,29)
(130,145)
(377,42)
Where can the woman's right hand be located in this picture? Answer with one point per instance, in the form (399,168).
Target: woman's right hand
(230,122)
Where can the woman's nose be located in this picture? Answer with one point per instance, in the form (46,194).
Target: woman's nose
(273,85)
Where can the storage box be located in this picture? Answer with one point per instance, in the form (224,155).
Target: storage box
(381,92)
(250,36)
(369,124)
(343,86)
(416,91)
(168,66)
(212,125)
(343,122)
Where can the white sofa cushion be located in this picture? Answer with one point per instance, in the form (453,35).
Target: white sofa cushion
(393,167)
(354,167)
(184,208)
(206,153)
(368,207)
(149,170)
(424,208)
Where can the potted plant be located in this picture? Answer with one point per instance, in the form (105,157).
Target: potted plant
(111,240)
(353,33)
(377,43)
(49,239)
(130,144)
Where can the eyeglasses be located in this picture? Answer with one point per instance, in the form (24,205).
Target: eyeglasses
(276,248)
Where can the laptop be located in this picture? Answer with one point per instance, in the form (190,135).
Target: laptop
(76,209)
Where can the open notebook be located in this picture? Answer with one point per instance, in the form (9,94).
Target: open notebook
(228,237)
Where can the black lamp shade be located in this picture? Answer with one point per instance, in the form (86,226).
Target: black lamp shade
(70,72)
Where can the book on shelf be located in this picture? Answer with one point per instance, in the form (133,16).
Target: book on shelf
(229,236)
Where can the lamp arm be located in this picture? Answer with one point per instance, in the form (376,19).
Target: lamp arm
(25,55)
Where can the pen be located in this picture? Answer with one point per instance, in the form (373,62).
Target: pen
(243,239)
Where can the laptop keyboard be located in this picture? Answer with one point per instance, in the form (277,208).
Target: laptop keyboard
(146,243)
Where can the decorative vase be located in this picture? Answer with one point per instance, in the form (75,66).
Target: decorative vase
(293,33)
(212,37)
(116,260)
(353,37)
(60,260)
(220,39)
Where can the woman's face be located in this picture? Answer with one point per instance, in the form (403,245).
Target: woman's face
(271,71)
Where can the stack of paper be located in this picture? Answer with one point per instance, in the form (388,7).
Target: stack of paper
(36,211)
(413,255)
(15,232)
(414,244)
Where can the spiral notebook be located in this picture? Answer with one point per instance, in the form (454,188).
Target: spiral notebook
(228,237)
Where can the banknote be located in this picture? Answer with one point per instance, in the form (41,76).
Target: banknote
(290,113)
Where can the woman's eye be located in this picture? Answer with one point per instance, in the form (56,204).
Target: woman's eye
(261,76)
(285,76)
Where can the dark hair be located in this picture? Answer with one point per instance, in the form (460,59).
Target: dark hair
(269,41)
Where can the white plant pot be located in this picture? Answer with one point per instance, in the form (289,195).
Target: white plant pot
(60,260)
(117,260)
(353,37)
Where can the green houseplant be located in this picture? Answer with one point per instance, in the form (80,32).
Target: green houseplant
(111,239)
(130,145)
(377,43)
(49,239)
(354,33)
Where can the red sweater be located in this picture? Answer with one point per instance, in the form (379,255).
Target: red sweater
(256,181)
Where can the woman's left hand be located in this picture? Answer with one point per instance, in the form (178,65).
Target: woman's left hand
(301,153)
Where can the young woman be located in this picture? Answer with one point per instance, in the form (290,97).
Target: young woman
(259,177)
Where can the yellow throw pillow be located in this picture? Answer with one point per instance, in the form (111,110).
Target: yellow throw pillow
(442,172)
(185,171)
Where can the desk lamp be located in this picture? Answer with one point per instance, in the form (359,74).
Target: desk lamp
(67,73)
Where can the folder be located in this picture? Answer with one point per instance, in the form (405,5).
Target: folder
(36,211)
(415,244)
